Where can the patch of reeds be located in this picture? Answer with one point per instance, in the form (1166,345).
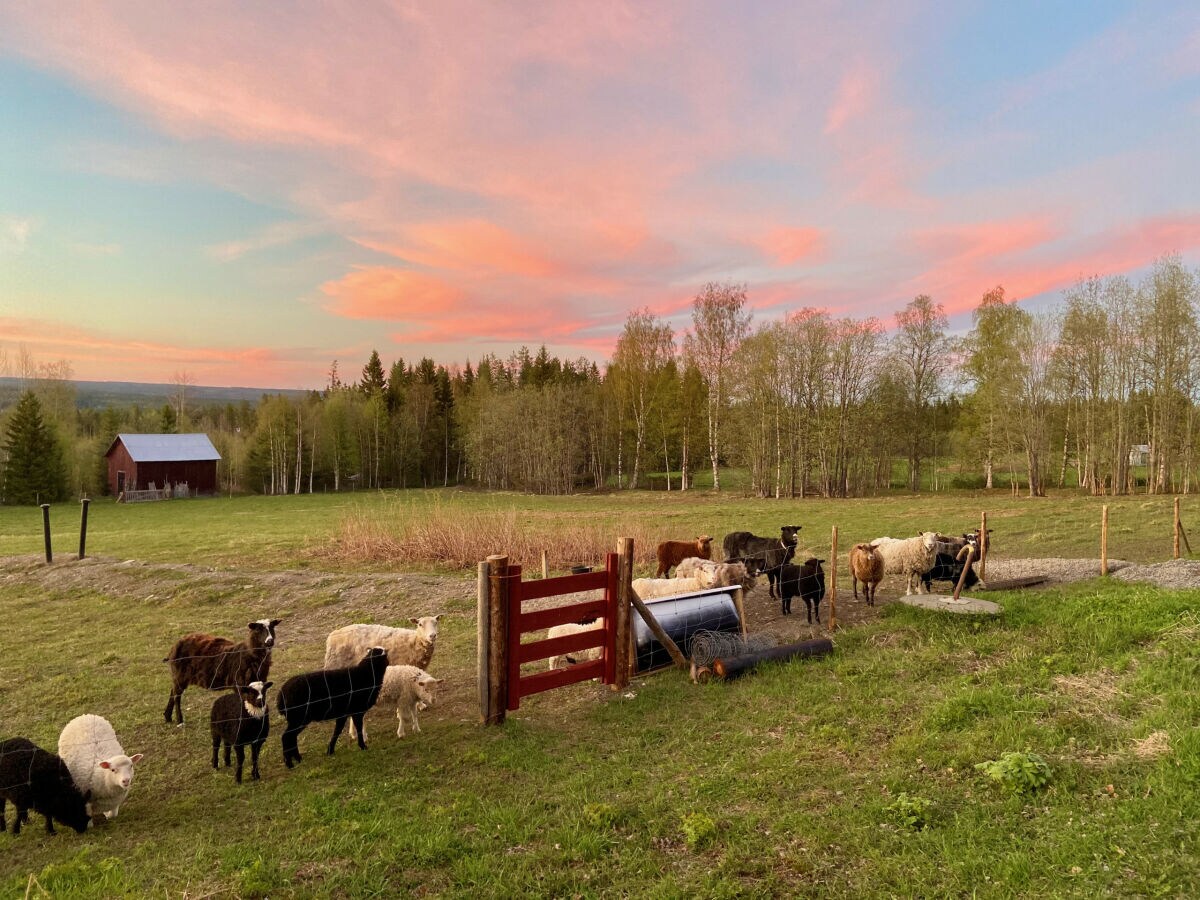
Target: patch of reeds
(455,537)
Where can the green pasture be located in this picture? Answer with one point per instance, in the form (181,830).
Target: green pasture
(785,783)
(287,531)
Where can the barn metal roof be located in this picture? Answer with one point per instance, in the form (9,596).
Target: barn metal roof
(167,447)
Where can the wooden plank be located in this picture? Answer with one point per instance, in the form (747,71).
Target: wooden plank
(739,603)
(558,646)
(833,561)
(512,658)
(561,615)
(563,584)
(612,570)
(545,681)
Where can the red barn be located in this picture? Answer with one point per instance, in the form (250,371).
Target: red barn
(136,460)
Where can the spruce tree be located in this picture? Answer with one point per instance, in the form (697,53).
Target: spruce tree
(34,471)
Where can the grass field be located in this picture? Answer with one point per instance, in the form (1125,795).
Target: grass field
(803,779)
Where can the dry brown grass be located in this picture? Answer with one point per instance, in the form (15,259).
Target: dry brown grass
(456,538)
(1097,693)
(1152,746)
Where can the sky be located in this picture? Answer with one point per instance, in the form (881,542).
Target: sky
(245,192)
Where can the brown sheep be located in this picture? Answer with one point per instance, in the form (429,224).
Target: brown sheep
(866,565)
(216,662)
(672,553)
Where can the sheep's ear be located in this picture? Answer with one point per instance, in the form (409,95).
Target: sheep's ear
(254,625)
(267,685)
(275,622)
(136,758)
(104,764)
(415,621)
(438,616)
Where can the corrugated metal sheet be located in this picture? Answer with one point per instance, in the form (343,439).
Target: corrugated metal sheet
(167,447)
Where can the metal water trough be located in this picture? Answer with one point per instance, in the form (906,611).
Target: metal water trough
(681,617)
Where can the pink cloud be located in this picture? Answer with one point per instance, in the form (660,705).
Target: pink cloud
(856,94)
(787,246)
(391,295)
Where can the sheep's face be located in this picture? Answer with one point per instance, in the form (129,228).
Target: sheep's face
(262,632)
(254,698)
(427,627)
(788,534)
(425,689)
(119,769)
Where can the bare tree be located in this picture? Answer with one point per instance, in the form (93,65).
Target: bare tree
(720,322)
(644,350)
(182,380)
(921,352)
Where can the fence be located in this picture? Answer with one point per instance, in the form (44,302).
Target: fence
(503,621)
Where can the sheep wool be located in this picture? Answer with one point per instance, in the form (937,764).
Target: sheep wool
(404,646)
(97,763)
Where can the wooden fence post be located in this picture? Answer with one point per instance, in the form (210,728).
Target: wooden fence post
(1176,548)
(545,568)
(46,531)
(739,603)
(497,639)
(482,641)
(622,632)
(1104,541)
(85,501)
(966,568)
(833,562)
(983,546)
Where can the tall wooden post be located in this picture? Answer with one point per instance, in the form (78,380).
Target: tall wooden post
(1176,550)
(483,641)
(622,632)
(85,502)
(545,568)
(46,531)
(833,563)
(1104,541)
(497,639)
(983,546)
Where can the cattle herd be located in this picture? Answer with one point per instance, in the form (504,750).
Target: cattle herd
(90,776)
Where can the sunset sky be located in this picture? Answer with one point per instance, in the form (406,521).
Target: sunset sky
(246,192)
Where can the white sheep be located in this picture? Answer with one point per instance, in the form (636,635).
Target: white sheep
(411,690)
(575,656)
(716,574)
(652,588)
(405,646)
(97,763)
(910,557)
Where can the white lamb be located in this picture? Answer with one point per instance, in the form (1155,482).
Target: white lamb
(652,588)
(575,656)
(715,574)
(89,747)
(410,689)
(405,646)
(910,557)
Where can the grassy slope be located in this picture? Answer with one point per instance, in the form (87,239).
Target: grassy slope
(795,765)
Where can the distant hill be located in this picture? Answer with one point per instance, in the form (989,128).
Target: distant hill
(98,394)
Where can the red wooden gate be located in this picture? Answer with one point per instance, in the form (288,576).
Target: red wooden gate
(521,622)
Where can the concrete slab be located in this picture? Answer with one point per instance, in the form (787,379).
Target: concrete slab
(944,603)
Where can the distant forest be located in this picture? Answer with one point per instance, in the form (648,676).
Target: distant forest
(1099,393)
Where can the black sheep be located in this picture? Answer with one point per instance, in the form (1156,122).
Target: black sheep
(770,553)
(240,718)
(339,694)
(33,778)
(807,582)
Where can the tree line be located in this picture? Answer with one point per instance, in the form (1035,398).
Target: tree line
(1099,392)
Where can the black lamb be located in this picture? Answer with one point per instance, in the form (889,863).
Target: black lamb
(339,694)
(239,719)
(806,582)
(33,778)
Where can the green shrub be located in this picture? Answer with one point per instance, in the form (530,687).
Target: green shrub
(910,811)
(1018,772)
(698,830)
(601,815)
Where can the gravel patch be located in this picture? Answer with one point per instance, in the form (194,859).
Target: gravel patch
(1055,569)
(1180,574)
